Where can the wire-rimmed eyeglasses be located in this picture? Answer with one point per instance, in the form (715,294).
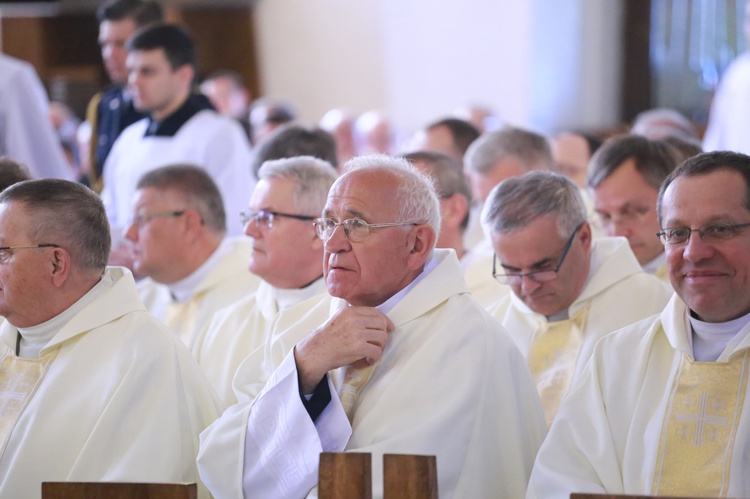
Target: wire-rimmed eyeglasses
(710,233)
(355,229)
(264,218)
(538,275)
(7,251)
(142,218)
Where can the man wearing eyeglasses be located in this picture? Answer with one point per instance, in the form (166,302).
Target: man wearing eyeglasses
(92,387)
(662,408)
(569,289)
(286,256)
(623,179)
(178,241)
(399,359)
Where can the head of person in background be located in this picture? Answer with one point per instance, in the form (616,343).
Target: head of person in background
(449,136)
(290,194)
(12,172)
(662,122)
(161,61)
(266,116)
(453,192)
(572,153)
(373,133)
(289,141)
(509,152)
(178,222)
(118,20)
(482,117)
(541,238)
(227,92)
(340,124)
(624,178)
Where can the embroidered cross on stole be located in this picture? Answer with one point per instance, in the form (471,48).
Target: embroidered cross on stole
(181,317)
(19,380)
(552,359)
(352,381)
(699,428)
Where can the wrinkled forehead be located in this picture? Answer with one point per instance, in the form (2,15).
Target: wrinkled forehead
(368,193)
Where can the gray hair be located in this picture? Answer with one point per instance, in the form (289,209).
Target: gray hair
(530,148)
(67,214)
(416,195)
(197,188)
(313,177)
(519,201)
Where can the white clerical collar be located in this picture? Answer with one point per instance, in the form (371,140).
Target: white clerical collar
(183,289)
(34,338)
(710,339)
(391,302)
(653,266)
(286,298)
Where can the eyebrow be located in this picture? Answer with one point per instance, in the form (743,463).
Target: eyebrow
(350,214)
(536,265)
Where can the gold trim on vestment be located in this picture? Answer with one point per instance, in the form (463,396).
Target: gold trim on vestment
(553,357)
(699,428)
(19,380)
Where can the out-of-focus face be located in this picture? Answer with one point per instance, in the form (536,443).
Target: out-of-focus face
(112,38)
(482,184)
(156,234)
(226,98)
(157,89)
(626,206)
(368,272)
(25,275)
(286,255)
(712,278)
(538,247)
(571,154)
(437,139)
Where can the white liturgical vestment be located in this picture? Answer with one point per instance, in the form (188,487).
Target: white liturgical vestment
(26,133)
(213,142)
(617,293)
(112,397)
(224,280)
(639,421)
(240,329)
(450,383)
(729,120)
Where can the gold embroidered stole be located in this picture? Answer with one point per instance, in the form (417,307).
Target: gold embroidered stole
(353,381)
(552,359)
(699,428)
(662,273)
(19,380)
(181,318)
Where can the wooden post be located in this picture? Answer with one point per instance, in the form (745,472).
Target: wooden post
(409,477)
(111,490)
(345,475)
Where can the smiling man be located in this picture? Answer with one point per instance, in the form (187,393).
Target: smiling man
(400,358)
(179,244)
(569,290)
(662,408)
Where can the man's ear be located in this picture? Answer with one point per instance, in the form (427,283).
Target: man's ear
(186,73)
(60,263)
(421,241)
(453,210)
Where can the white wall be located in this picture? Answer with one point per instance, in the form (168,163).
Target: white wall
(543,64)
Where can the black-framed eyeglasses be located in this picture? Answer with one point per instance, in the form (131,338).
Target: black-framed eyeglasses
(142,218)
(7,251)
(538,275)
(264,218)
(712,233)
(355,229)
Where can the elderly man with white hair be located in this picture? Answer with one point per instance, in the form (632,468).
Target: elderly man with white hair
(399,359)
